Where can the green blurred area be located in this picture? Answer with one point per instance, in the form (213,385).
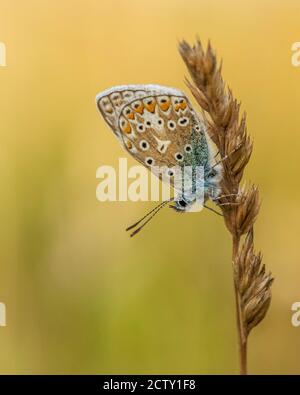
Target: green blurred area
(81,296)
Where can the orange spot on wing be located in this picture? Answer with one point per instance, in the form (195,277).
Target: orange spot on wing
(164,106)
(128,113)
(125,126)
(138,107)
(150,105)
(127,129)
(129,144)
(183,105)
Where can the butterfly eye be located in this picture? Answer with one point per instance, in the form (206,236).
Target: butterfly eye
(171,125)
(179,157)
(188,148)
(182,203)
(149,161)
(144,145)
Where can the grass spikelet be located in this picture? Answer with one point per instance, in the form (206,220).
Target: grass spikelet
(227,129)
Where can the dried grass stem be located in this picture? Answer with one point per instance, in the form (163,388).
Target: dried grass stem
(239,204)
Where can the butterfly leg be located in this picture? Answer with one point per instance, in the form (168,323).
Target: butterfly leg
(228,204)
(214,211)
(224,196)
(217,154)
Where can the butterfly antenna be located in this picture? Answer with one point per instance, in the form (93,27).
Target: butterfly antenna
(151,213)
(145,216)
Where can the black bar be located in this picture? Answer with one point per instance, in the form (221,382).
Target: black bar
(95,384)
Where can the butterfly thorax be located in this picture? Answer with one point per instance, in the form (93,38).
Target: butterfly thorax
(203,189)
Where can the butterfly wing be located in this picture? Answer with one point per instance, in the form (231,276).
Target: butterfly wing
(156,125)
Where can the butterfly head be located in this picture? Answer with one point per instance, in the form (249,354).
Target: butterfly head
(183,204)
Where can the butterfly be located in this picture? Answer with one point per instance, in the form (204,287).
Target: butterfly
(158,126)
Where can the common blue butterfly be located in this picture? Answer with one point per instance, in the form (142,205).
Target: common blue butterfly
(158,126)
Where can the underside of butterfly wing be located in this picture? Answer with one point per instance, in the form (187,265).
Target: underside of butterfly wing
(156,125)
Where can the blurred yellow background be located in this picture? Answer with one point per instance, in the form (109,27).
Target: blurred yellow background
(81,296)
